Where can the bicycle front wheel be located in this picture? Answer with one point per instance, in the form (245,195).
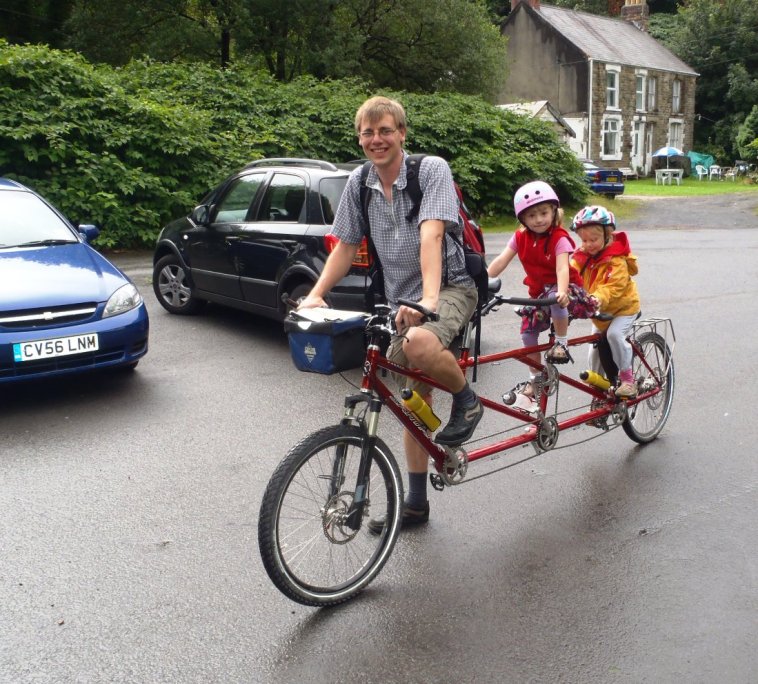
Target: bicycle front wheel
(308,549)
(646,419)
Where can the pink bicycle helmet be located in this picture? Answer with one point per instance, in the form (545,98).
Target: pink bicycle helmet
(533,193)
(594,215)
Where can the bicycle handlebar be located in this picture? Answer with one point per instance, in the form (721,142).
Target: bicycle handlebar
(431,315)
(527,301)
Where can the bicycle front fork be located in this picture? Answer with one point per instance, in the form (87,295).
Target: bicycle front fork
(370,427)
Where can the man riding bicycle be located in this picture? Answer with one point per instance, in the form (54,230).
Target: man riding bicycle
(420,262)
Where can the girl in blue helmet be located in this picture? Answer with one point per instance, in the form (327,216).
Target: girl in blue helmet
(606,264)
(544,248)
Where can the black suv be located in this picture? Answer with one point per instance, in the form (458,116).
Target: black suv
(260,235)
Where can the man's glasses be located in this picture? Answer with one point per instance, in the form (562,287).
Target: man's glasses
(382,133)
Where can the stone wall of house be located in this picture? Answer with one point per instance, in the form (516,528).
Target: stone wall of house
(658,117)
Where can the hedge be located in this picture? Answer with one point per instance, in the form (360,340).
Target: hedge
(133,147)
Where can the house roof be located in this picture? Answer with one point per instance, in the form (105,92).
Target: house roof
(536,109)
(608,39)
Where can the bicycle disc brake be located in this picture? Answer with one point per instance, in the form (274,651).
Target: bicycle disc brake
(334,518)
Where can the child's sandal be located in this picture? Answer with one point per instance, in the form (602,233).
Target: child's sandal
(559,353)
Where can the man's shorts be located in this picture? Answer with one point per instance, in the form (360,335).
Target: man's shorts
(455,306)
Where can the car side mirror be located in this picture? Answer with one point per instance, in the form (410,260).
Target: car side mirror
(89,231)
(201,215)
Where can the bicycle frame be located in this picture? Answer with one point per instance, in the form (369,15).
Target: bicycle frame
(546,428)
(311,525)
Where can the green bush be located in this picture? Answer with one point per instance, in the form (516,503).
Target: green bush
(133,147)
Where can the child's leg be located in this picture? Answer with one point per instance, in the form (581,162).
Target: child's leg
(622,354)
(620,348)
(559,353)
(530,339)
(593,358)
(560,318)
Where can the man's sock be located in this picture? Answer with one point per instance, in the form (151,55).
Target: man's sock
(416,497)
(465,397)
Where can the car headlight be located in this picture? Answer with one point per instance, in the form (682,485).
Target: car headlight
(122,300)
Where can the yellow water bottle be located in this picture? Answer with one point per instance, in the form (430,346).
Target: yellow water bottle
(414,402)
(595,379)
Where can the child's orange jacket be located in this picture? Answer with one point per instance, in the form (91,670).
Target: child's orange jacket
(608,278)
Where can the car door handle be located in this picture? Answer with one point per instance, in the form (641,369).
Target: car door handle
(233,238)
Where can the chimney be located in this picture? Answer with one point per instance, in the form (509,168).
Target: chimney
(614,7)
(636,12)
(534,3)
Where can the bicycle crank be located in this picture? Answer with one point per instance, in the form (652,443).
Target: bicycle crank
(453,471)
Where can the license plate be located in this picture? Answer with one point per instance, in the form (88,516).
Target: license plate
(611,179)
(61,346)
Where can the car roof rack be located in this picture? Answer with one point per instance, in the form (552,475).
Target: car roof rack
(291,161)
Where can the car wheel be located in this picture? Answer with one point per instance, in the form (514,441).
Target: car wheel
(298,292)
(172,287)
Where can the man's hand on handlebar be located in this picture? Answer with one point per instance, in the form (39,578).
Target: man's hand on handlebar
(311,302)
(411,314)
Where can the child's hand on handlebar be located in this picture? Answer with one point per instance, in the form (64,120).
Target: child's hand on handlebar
(562,299)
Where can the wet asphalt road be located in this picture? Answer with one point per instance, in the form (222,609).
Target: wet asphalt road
(128,512)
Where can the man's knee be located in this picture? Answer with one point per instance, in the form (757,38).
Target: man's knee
(420,345)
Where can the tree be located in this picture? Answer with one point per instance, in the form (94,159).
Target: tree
(34,21)
(421,45)
(747,137)
(115,31)
(719,40)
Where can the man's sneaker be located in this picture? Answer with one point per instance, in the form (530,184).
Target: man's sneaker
(462,423)
(626,390)
(558,353)
(410,518)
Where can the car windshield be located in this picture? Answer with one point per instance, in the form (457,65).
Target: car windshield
(25,220)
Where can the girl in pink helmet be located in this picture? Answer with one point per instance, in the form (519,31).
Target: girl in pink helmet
(544,248)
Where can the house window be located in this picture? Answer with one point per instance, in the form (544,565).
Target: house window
(639,97)
(676,134)
(612,74)
(611,143)
(676,96)
(652,84)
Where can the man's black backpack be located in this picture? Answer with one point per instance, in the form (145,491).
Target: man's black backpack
(473,239)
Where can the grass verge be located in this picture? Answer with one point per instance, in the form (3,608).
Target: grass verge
(629,206)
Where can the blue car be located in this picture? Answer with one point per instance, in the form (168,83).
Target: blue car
(603,181)
(64,308)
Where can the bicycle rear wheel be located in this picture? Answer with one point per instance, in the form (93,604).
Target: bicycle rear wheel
(308,550)
(646,419)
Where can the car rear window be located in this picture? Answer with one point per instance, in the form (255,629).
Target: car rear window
(331,190)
